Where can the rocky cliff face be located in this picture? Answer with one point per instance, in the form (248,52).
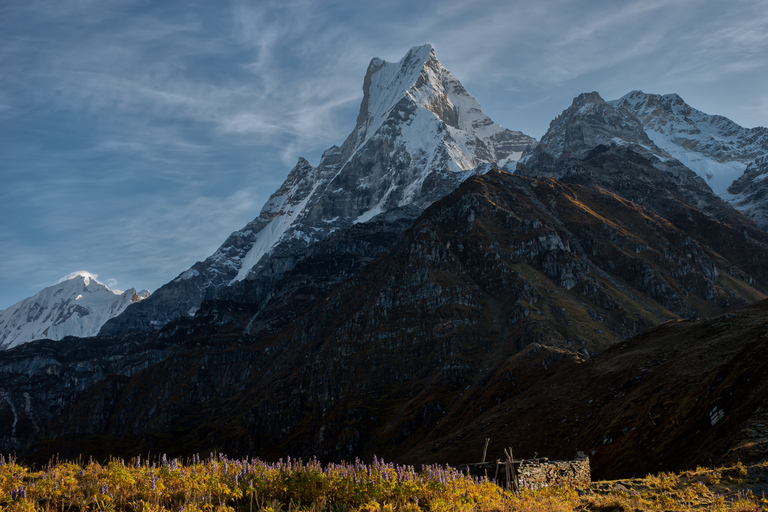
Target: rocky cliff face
(419,134)
(42,377)
(750,192)
(590,122)
(729,157)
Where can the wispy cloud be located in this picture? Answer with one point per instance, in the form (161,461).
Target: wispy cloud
(732,46)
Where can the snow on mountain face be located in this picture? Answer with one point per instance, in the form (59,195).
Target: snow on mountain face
(418,135)
(419,80)
(78,306)
(714,147)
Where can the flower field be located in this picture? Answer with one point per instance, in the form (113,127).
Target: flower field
(217,483)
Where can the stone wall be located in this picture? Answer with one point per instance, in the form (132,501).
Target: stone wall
(537,473)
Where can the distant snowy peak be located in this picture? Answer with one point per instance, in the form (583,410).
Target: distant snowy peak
(591,121)
(714,147)
(77,306)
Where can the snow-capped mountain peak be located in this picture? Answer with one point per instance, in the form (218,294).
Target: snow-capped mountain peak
(87,277)
(418,135)
(416,91)
(386,83)
(714,147)
(78,305)
(417,125)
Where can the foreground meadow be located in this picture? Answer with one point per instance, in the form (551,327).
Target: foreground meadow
(221,484)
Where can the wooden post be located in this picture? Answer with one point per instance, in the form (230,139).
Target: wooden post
(511,473)
(496,476)
(487,440)
(514,471)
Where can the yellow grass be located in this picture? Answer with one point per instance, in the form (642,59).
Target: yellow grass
(221,484)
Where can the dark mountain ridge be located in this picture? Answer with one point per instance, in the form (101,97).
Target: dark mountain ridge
(505,275)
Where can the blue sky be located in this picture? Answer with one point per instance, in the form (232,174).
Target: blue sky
(136,135)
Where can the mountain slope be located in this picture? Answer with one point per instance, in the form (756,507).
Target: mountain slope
(716,148)
(418,135)
(681,395)
(492,290)
(77,306)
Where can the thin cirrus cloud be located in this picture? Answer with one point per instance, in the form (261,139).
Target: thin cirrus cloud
(136,136)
